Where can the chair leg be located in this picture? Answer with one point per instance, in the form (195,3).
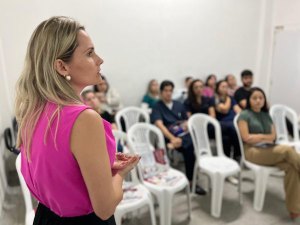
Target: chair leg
(188,200)
(195,176)
(162,205)
(240,188)
(168,208)
(152,212)
(217,194)
(261,178)
(118,218)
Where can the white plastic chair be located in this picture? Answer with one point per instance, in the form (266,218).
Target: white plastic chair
(29,216)
(261,173)
(131,115)
(279,113)
(216,167)
(161,180)
(132,201)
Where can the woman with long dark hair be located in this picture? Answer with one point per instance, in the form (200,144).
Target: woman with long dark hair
(224,108)
(196,102)
(258,134)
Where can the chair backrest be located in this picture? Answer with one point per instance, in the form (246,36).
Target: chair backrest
(279,113)
(131,115)
(140,138)
(25,190)
(198,128)
(238,133)
(121,137)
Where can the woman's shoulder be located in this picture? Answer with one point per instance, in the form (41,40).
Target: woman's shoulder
(73,108)
(147,96)
(245,114)
(266,115)
(87,119)
(187,102)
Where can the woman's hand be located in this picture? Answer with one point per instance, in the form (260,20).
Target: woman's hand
(124,163)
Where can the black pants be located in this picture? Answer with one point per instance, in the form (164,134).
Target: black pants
(230,139)
(45,216)
(187,149)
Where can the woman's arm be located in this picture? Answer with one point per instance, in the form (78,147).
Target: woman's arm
(88,145)
(243,103)
(224,107)
(255,138)
(212,111)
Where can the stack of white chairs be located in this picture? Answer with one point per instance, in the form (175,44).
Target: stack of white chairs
(161,180)
(216,167)
(135,194)
(261,173)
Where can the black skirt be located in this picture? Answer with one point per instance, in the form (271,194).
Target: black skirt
(45,216)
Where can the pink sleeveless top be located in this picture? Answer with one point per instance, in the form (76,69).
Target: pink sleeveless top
(53,175)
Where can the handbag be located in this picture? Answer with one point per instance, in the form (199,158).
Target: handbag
(159,155)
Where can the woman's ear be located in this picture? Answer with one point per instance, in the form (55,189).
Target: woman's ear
(61,67)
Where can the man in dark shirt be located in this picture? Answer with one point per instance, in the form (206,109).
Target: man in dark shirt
(171,118)
(243,92)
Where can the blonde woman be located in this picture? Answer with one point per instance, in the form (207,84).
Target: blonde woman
(67,151)
(152,95)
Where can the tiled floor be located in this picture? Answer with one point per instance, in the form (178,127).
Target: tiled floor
(274,212)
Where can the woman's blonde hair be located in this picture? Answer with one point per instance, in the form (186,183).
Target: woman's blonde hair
(39,83)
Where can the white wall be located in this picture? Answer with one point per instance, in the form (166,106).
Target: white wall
(285,79)
(140,40)
(283,15)
(286,12)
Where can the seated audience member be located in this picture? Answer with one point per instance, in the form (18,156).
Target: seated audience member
(232,85)
(242,93)
(181,94)
(224,108)
(171,118)
(152,95)
(258,134)
(210,85)
(111,97)
(196,102)
(89,98)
